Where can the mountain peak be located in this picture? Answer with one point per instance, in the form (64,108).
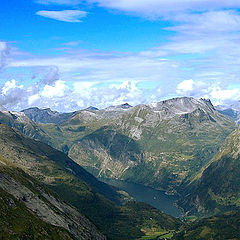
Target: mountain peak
(45,115)
(92,108)
(124,106)
(182,105)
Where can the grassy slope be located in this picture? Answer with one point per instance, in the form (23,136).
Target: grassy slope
(78,187)
(220,227)
(217,187)
(167,153)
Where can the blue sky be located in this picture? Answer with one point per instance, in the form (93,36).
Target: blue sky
(70,54)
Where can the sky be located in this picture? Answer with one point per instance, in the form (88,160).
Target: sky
(71,54)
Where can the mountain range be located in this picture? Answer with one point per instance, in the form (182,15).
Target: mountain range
(232,111)
(167,142)
(184,146)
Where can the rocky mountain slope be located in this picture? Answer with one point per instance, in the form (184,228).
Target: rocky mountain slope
(217,186)
(159,145)
(30,211)
(21,122)
(22,157)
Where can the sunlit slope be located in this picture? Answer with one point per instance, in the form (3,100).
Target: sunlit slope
(157,145)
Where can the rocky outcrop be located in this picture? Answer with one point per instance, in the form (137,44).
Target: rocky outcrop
(47,207)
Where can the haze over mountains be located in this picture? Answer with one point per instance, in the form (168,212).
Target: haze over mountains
(232,111)
(184,146)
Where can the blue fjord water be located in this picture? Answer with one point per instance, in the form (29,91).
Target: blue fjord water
(155,198)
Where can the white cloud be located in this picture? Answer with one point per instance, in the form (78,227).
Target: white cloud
(13,95)
(58,90)
(152,8)
(72,16)
(225,94)
(204,48)
(207,22)
(155,8)
(9,85)
(32,99)
(184,86)
(214,91)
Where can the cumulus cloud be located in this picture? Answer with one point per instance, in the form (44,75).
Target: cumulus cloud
(225,95)
(185,86)
(84,95)
(9,85)
(214,91)
(58,90)
(195,89)
(12,94)
(72,16)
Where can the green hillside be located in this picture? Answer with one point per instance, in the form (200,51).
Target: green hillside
(217,187)
(220,227)
(96,200)
(167,143)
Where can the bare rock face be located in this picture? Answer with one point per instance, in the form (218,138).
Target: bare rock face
(47,207)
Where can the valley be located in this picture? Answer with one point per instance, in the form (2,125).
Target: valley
(162,154)
(158,199)
(167,142)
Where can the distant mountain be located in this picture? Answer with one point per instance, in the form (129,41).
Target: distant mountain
(21,122)
(217,186)
(118,107)
(21,157)
(232,111)
(46,115)
(92,108)
(159,145)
